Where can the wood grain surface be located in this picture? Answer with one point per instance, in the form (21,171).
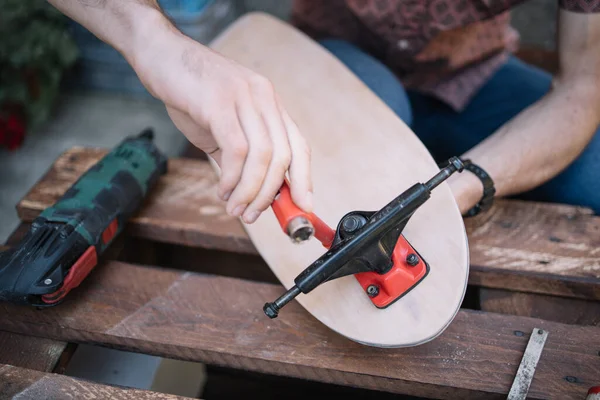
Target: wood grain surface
(551,308)
(21,383)
(30,352)
(536,247)
(219,321)
(525,246)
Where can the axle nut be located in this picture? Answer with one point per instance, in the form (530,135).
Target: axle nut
(372,290)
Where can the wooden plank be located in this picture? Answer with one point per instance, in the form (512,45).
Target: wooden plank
(523,246)
(536,248)
(196,259)
(30,352)
(218,320)
(21,383)
(551,308)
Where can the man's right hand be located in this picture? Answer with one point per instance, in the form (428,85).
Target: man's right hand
(233,114)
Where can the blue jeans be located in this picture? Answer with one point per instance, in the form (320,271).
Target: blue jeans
(447,133)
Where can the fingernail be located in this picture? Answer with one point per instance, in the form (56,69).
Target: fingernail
(251,216)
(227,195)
(239,210)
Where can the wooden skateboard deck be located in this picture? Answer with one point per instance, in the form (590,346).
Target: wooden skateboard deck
(363,156)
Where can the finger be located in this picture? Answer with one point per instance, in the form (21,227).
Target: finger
(257,160)
(233,150)
(280,160)
(301,184)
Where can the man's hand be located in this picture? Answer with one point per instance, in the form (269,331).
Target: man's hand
(223,108)
(233,114)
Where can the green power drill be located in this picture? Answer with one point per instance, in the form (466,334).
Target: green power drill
(65,241)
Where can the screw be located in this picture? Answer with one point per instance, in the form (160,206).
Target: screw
(48,281)
(372,290)
(518,333)
(571,379)
(412,259)
(540,331)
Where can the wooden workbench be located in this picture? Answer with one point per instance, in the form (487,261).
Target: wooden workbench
(194,291)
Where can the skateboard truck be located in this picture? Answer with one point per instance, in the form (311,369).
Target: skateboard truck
(366,244)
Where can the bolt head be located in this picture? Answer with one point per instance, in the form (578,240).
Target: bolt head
(350,224)
(457,163)
(372,290)
(412,259)
(48,281)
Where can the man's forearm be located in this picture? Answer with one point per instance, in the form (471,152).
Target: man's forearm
(534,147)
(546,137)
(123,24)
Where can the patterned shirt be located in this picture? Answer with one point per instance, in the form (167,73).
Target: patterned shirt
(444,48)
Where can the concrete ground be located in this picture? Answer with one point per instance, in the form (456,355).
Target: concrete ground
(103,119)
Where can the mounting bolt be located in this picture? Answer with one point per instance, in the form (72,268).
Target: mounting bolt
(351,224)
(48,281)
(412,259)
(372,290)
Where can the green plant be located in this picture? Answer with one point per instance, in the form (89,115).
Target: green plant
(35,50)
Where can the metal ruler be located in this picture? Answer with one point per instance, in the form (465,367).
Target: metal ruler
(533,351)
